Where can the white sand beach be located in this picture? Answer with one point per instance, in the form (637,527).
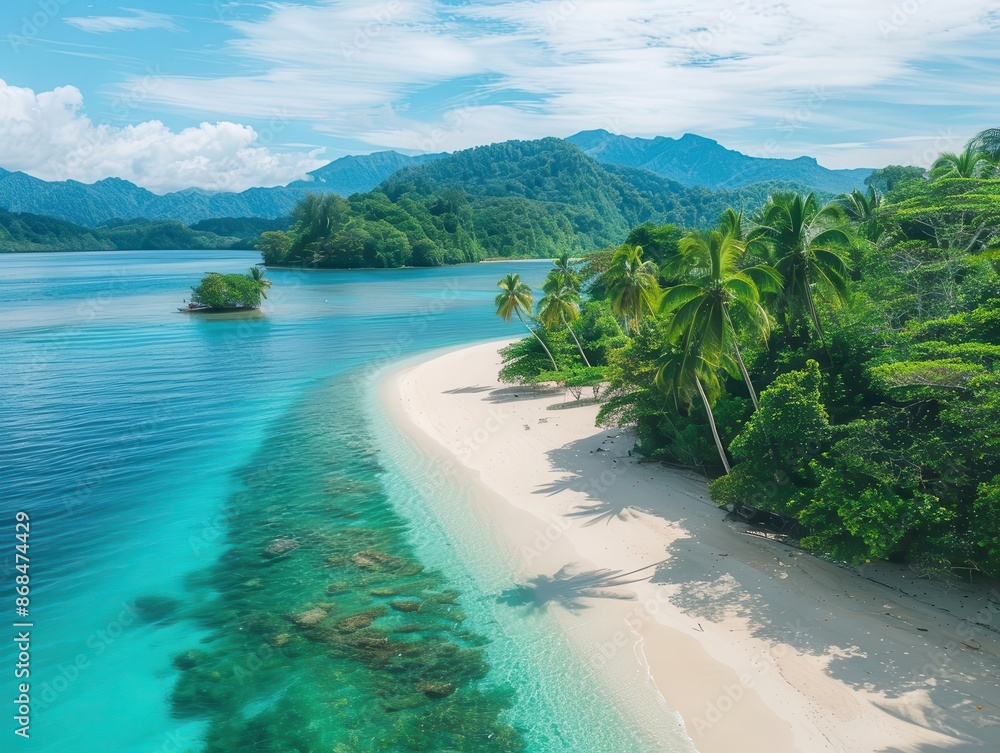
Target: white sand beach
(759,646)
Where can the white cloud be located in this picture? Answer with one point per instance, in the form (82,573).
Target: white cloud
(48,135)
(722,68)
(140,19)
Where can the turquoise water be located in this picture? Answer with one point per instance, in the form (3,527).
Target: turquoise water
(227,552)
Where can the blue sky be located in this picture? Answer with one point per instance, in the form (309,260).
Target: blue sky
(224,95)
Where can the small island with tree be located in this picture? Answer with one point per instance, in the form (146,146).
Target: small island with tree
(219,292)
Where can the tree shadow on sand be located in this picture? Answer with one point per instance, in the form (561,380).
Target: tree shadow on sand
(568,589)
(521,392)
(867,634)
(605,511)
(467,390)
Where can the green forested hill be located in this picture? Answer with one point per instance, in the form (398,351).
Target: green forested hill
(835,365)
(515,199)
(33,232)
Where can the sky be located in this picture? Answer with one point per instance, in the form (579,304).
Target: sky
(226,95)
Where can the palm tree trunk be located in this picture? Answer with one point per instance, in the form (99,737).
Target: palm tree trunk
(578,347)
(715,429)
(814,315)
(540,341)
(743,367)
(746,377)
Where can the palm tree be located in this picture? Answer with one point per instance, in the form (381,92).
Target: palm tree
(262,283)
(712,284)
(559,307)
(632,286)
(970,163)
(862,210)
(516,298)
(988,141)
(804,242)
(731,223)
(564,267)
(680,375)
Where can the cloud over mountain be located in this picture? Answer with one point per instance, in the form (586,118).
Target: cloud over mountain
(48,135)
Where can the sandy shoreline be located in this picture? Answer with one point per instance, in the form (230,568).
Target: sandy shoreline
(757,646)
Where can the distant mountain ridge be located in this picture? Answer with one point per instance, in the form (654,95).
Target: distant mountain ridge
(691,161)
(357,174)
(696,161)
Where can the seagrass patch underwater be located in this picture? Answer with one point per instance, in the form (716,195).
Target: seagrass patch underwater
(324,631)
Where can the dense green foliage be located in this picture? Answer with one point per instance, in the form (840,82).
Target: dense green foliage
(32,232)
(231,291)
(518,199)
(834,363)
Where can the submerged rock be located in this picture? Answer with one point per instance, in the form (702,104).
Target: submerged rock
(382,562)
(445,597)
(310,617)
(360,621)
(405,605)
(280,546)
(189,659)
(436,689)
(261,623)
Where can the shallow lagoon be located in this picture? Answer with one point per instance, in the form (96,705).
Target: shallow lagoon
(221,557)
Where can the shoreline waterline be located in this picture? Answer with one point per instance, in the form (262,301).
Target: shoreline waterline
(757,646)
(610,698)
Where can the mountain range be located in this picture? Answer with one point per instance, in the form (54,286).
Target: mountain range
(690,161)
(696,161)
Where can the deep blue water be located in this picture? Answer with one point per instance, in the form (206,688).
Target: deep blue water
(160,454)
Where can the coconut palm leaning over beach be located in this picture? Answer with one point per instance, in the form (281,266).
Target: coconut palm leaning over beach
(516,298)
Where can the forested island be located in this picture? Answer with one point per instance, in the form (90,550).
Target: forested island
(21,231)
(832,364)
(518,199)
